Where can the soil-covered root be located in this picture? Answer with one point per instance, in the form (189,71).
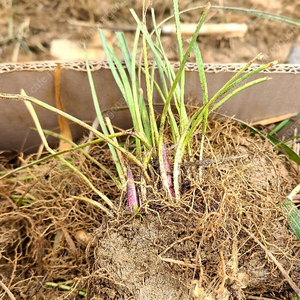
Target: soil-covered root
(227,237)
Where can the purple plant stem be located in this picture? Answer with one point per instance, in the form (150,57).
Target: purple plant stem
(168,170)
(131,191)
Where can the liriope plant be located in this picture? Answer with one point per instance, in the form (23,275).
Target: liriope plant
(149,134)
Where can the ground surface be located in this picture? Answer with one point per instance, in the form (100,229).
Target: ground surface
(51,30)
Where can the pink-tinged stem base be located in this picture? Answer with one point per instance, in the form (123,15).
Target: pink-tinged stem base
(168,171)
(132,197)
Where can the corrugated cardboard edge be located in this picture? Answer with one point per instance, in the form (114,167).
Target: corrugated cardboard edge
(276,98)
(97,65)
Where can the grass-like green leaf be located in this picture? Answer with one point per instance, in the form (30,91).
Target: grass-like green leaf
(203,82)
(292,215)
(282,125)
(101,119)
(123,83)
(182,109)
(283,148)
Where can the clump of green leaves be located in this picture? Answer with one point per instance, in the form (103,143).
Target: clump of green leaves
(171,90)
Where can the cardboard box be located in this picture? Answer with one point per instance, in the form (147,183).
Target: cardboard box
(267,102)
